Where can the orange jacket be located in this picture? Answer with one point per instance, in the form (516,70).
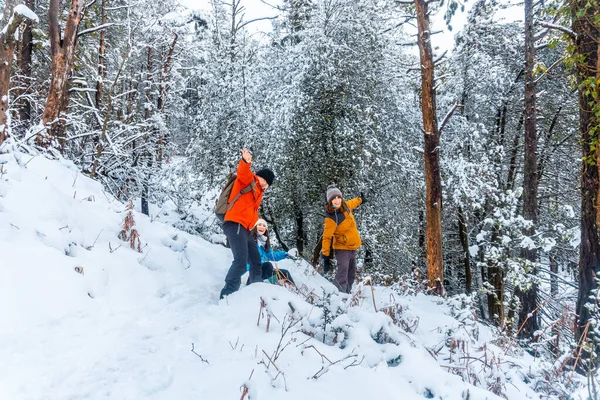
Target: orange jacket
(245,208)
(340,228)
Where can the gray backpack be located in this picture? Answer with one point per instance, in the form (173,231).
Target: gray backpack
(223,204)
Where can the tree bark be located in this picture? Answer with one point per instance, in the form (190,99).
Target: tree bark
(464,240)
(146,155)
(25,69)
(301,235)
(587,52)
(63,56)
(162,94)
(101,57)
(10,22)
(528,320)
(433,181)
(512,165)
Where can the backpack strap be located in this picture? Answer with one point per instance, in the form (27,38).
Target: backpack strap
(248,188)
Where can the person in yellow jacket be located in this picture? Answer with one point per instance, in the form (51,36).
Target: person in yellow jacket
(341,233)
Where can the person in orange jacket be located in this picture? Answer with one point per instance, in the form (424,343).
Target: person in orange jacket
(239,221)
(341,233)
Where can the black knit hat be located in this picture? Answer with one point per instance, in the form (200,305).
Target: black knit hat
(267,175)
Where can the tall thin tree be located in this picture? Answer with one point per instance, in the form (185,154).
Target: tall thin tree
(586,27)
(62,49)
(527,296)
(11,20)
(433,180)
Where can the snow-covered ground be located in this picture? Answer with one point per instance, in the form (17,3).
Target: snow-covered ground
(83,316)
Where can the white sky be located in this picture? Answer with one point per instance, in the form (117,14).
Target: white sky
(443,41)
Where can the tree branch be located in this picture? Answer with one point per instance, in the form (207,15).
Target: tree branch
(97,28)
(440,57)
(54,27)
(549,68)
(561,28)
(254,20)
(447,117)
(13,24)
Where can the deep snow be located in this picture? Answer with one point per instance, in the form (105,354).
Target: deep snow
(83,316)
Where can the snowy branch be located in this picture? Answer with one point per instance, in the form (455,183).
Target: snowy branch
(254,20)
(541,34)
(561,28)
(447,117)
(549,69)
(272,5)
(193,351)
(440,57)
(407,18)
(407,43)
(97,28)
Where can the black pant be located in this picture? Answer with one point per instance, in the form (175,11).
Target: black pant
(268,271)
(244,250)
(346,270)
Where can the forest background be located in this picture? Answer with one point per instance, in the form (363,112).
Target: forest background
(480,162)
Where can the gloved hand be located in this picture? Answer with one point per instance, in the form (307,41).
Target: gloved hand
(363,197)
(326,262)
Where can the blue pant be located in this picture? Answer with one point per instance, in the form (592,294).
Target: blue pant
(244,250)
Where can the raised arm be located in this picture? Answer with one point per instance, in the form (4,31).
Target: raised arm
(353,203)
(244,173)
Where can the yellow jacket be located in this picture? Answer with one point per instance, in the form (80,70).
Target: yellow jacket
(340,227)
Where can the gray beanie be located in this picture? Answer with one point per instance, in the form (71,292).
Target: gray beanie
(332,191)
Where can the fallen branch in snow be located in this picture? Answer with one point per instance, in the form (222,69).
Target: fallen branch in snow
(93,244)
(325,368)
(111,249)
(193,351)
(318,352)
(355,363)
(233,347)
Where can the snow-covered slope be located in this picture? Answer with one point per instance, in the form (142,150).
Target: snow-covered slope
(83,316)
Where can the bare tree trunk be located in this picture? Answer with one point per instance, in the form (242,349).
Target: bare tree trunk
(63,54)
(10,22)
(588,68)
(512,165)
(26,50)
(162,94)
(422,257)
(553,279)
(301,235)
(496,302)
(101,57)
(464,240)
(495,276)
(146,155)
(528,320)
(433,181)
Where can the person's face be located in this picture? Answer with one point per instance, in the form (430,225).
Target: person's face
(261,228)
(263,183)
(336,201)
